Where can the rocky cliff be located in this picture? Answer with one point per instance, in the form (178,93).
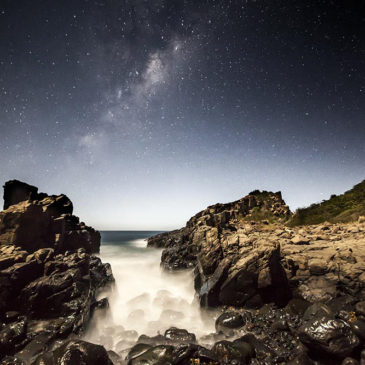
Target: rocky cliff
(215,242)
(245,255)
(306,284)
(49,280)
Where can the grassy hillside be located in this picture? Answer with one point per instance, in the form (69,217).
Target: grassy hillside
(339,208)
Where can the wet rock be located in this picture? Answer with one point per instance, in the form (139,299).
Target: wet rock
(102,304)
(328,335)
(349,361)
(115,358)
(302,359)
(12,360)
(317,310)
(137,350)
(11,335)
(238,351)
(360,308)
(191,354)
(177,335)
(158,355)
(76,352)
(358,327)
(154,340)
(261,349)
(297,306)
(228,321)
(208,287)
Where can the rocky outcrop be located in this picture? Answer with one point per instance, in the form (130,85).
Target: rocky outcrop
(16,191)
(244,262)
(38,221)
(230,268)
(49,281)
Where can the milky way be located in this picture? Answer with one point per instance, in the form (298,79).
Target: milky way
(144,112)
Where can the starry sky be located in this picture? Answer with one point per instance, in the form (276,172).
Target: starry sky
(145,112)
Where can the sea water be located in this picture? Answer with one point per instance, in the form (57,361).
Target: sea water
(146,299)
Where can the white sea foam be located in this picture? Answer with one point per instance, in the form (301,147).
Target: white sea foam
(146,299)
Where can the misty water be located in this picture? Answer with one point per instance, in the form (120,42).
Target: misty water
(146,299)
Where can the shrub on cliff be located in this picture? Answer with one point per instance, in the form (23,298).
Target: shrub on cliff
(346,207)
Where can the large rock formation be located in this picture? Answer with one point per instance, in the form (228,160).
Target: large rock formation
(230,268)
(241,259)
(49,281)
(33,221)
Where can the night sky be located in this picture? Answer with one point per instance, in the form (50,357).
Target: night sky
(145,112)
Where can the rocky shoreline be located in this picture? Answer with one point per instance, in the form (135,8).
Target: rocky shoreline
(49,279)
(281,295)
(300,290)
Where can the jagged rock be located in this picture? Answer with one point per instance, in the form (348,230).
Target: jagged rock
(210,241)
(33,221)
(246,263)
(49,281)
(16,191)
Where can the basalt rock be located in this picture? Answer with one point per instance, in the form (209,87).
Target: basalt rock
(49,281)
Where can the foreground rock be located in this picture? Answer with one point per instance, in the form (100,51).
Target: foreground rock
(49,281)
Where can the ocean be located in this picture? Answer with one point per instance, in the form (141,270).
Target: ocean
(146,299)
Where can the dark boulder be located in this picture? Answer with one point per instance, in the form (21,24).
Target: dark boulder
(12,335)
(237,351)
(358,327)
(137,350)
(317,310)
(228,321)
(193,354)
(328,335)
(177,335)
(76,352)
(158,355)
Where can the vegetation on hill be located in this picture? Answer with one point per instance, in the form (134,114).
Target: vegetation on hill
(346,207)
